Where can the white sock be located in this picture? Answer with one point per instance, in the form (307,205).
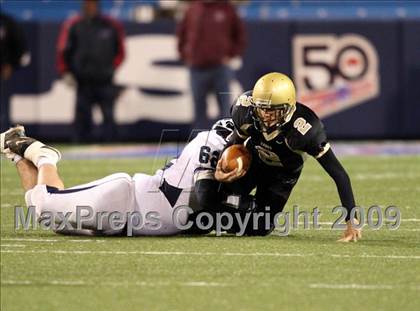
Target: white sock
(32,153)
(16,158)
(45,160)
(39,154)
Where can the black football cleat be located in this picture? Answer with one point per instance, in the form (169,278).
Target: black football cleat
(19,145)
(11,134)
(14,141)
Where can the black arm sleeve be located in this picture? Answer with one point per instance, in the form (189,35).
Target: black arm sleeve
(234,139)
(209,198)
(206,194)
(334,168)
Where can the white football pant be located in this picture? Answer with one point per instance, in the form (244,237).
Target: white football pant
(138,197)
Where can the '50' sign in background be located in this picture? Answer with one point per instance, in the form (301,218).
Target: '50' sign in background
(333,72)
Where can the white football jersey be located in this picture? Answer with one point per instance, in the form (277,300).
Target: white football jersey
(199,158)
(173,186)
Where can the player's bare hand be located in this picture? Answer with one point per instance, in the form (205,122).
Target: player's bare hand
(351,234)
(229,177)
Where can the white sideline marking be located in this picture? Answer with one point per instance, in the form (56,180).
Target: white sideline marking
(164,253)
(80,282)
(359,286)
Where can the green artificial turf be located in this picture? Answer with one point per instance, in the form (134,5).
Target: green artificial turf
(307,270)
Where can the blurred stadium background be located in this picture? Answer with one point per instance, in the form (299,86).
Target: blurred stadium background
(361,59)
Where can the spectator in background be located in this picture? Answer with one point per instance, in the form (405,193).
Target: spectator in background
(209,36)
(12,51)
(90,47)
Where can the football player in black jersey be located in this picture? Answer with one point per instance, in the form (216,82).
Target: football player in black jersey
(280,133)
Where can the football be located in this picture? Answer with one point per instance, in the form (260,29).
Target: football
(236,156)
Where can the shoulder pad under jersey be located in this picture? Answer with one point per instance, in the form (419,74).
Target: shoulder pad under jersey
(242,114)
(307,132)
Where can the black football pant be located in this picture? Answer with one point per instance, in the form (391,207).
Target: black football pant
(273,188)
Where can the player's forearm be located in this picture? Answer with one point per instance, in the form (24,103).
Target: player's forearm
(334,168)
(206,192)
(345,192)
(210,199)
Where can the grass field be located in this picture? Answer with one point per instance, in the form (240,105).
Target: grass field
(305,270)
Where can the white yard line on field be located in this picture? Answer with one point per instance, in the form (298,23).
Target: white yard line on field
(204,284)
(371,177)
(409,229)
(12,245)
(166,253)
(330,222)
(29,240)
(377,256)
(52,240)
(370,230)
(193,284)
(361,286)
(114,284)
(14,192)
(11,282)
(84,241)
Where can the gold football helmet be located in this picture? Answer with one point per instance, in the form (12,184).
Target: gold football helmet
(274,101)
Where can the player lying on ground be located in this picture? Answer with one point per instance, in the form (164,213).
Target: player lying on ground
(280,132)
(185,181)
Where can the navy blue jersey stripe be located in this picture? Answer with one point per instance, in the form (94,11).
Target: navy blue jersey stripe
(55,190)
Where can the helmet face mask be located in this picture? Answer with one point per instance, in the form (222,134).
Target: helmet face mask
(271,117)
